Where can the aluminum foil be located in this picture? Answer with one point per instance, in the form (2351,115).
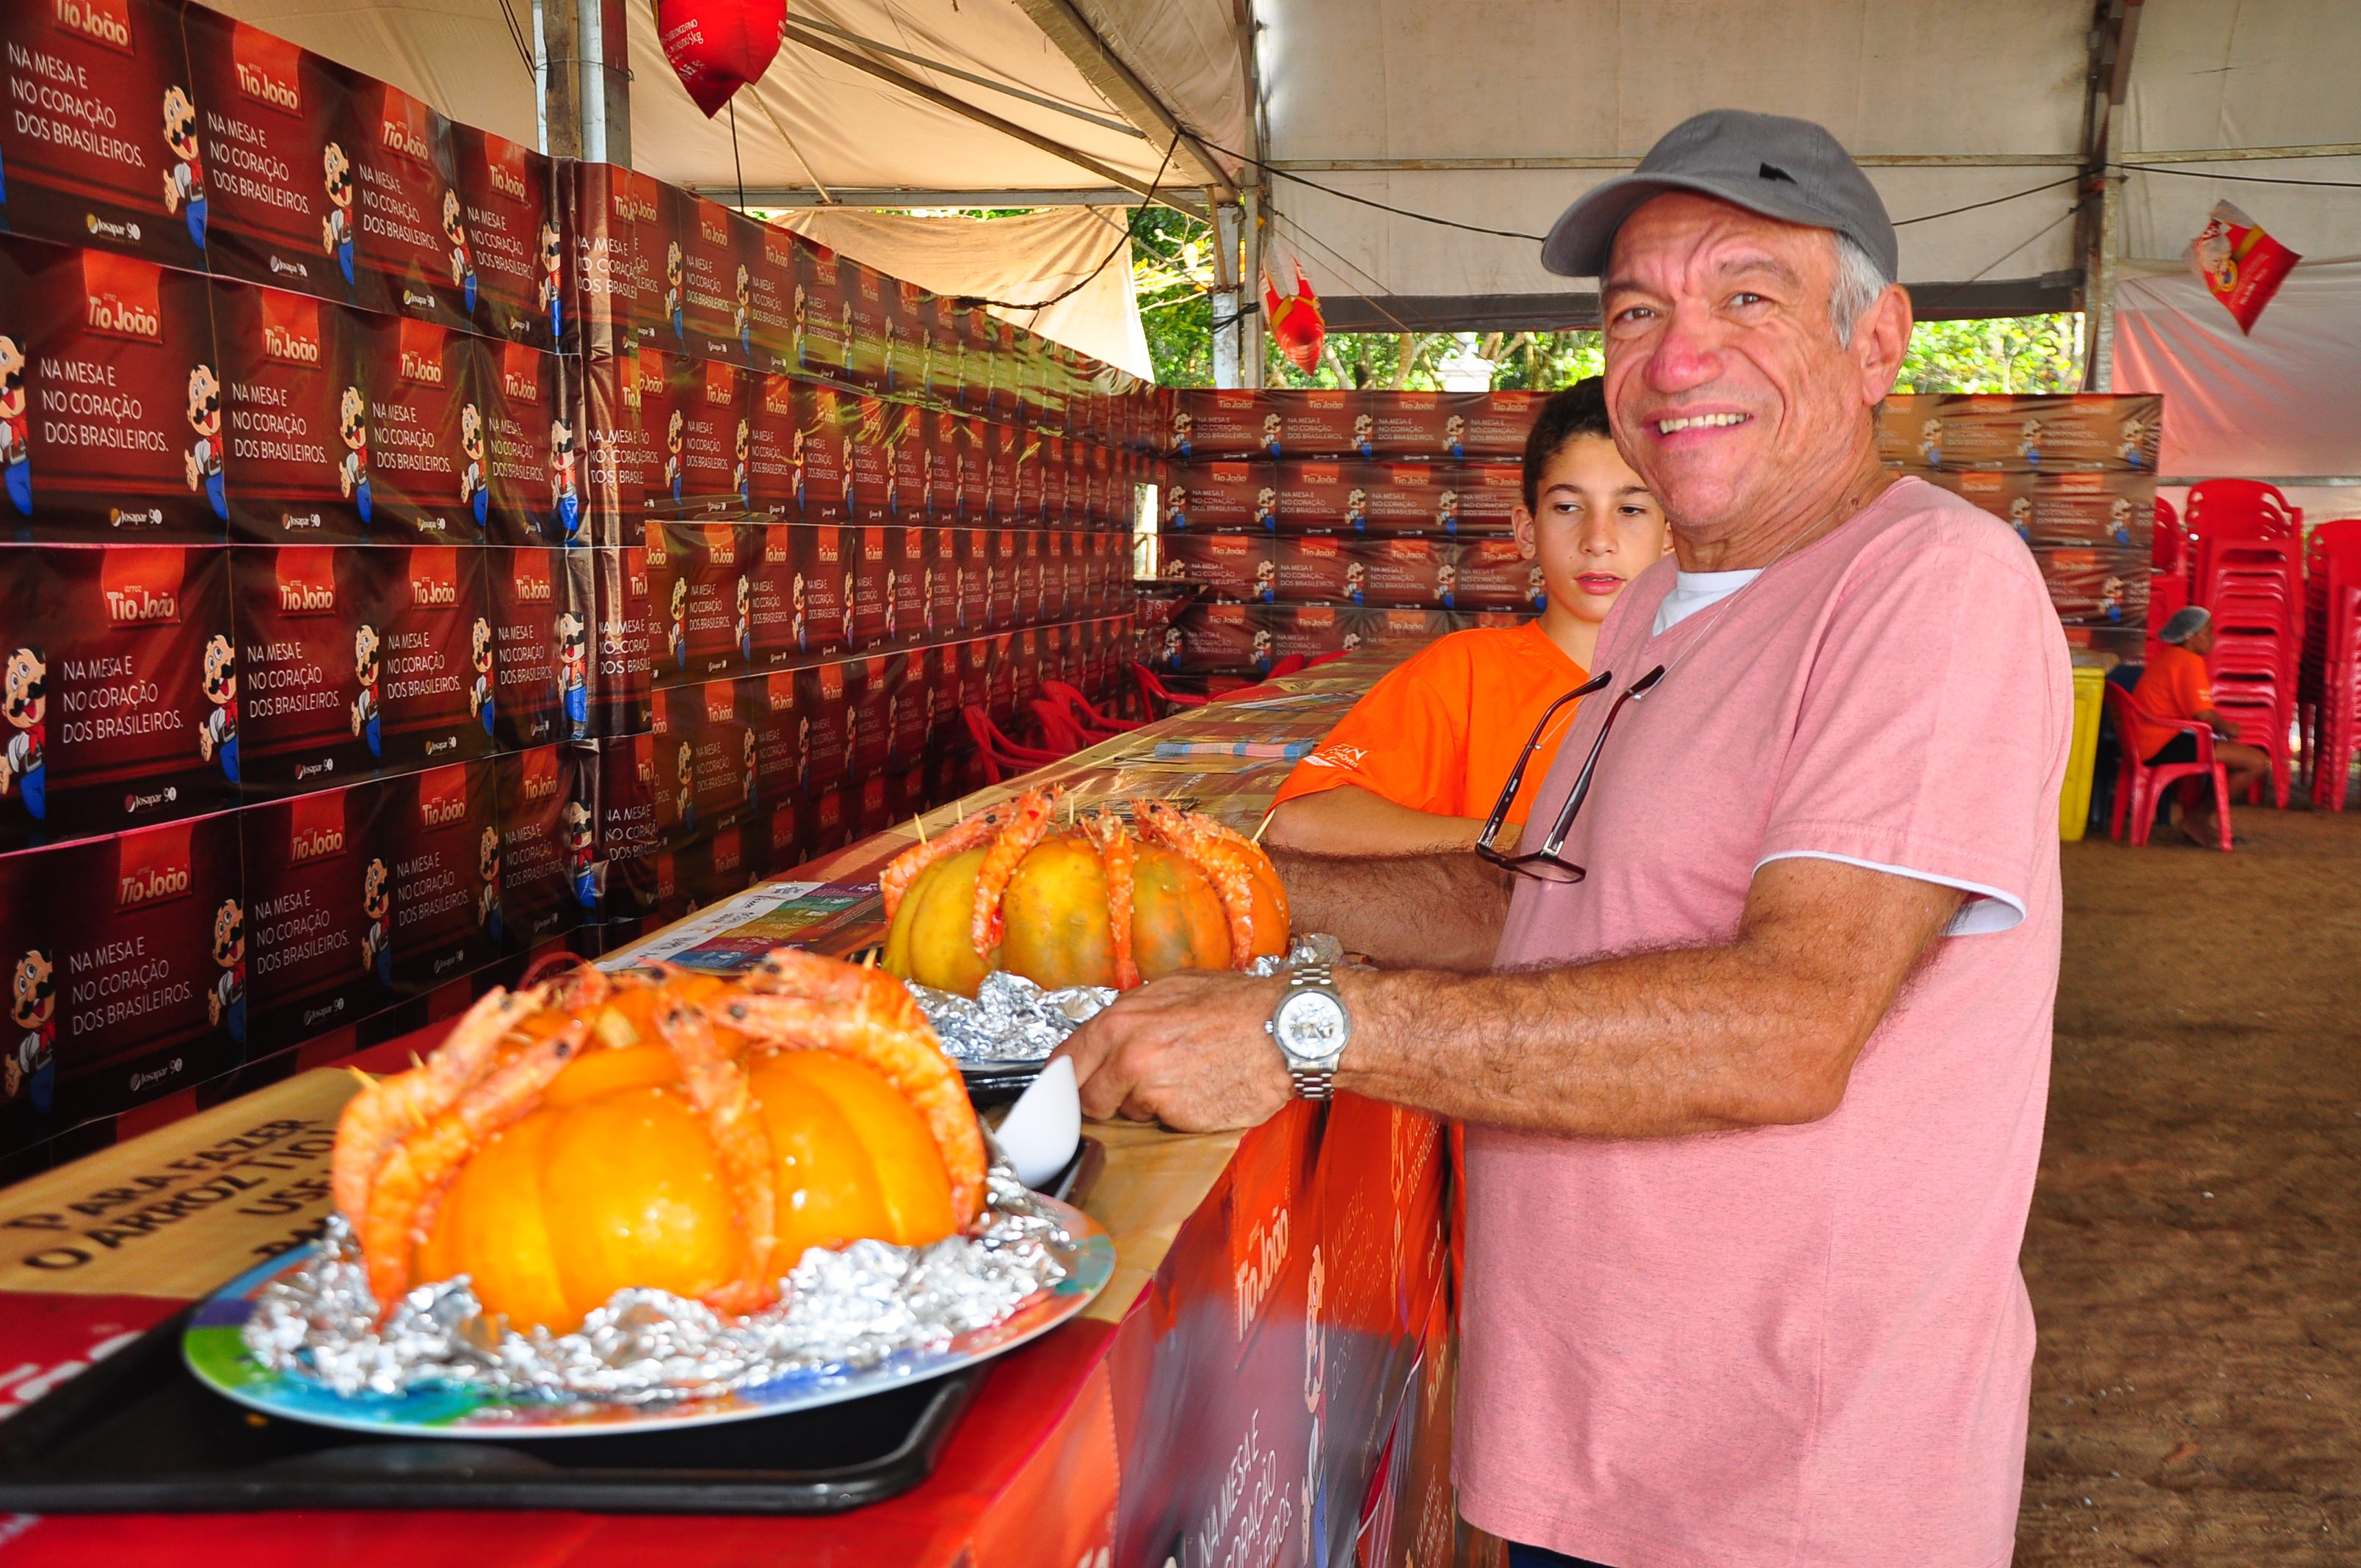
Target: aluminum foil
(1010,1020)
(839,1311)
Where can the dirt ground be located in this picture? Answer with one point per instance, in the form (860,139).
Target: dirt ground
(2194,1252)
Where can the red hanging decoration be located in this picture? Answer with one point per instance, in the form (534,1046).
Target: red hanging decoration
(716,47)
(2239,264)
(1296,323)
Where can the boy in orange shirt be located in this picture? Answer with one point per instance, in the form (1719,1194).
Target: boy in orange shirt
(2176,685)
(1419,761)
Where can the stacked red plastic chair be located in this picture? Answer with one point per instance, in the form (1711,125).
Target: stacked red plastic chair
(2168,582)
(2247,568)
(2329,687)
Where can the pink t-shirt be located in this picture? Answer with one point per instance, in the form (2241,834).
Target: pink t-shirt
(1804,1346)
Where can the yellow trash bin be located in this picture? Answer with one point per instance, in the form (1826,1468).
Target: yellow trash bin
(2082,755)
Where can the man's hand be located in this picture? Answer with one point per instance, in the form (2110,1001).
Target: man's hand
(1188,1050)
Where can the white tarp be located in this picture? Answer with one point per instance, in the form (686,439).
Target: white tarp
(1019,259)
(2286,402)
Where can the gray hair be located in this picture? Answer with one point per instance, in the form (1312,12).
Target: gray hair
(1860,282)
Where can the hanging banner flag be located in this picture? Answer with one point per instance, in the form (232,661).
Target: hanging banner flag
(1296,323)
(716,47)
(2243,266)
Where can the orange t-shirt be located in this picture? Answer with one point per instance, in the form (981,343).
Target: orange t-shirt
(1441,732)
(2176,685)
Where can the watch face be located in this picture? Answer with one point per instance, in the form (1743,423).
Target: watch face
(1312,1024)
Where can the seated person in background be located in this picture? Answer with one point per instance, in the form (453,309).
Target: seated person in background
(2176,685)
(1419,761)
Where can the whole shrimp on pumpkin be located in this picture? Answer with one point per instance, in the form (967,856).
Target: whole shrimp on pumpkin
(1102,903)
(659,1128)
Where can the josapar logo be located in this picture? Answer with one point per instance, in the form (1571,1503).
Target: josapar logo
(435,578)
(266,68)
(105,22)
(141,586)
(290,328)
(443,797)
(152,866)
(307,582)
(120,297)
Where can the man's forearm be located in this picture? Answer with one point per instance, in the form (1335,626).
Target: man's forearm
(1350,821)
(1440,911)
(1762,1031)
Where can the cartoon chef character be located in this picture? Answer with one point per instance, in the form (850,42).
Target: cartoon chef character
(1176,508)
(225,1002)
(1260,655)
(795,461)
(848,609)
(684,770)
(927,603)
(676,467)
(744,448)
(24,701)
(463,258)
(742,309)
(475,482)
(488,870)
(1446,585)
(1266,580)
(184,170)
(31,1065)
(796,621)
(844,341)
(573,671)
(2119,519)
(2131,447)
(1364,435)
(1930,442)
(217,736)
(745,619)
(575,822)
(2111,598)
(364,671)
(1455,436)
(550,293)
(352,472)
(376,906)
(2020,516)
(2029,442)
(1537,588)
(801,312)
(886,349)
(202,464)
(15,428)
(959,598)
(1172,655)
(676,635)
(749,756)
(673,292)
(565,490)
(1357,581)
(1446,512)
(479,696)
(336,227)
(1356,508)
(803,750)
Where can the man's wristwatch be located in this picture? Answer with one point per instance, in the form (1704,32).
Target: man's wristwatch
(1310,1024)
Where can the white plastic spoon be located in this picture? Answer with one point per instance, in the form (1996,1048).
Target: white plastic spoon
(1042,1130)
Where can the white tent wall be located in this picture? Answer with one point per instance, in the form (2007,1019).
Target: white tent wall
(1020,259)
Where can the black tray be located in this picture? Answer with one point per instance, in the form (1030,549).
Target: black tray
(137,1433)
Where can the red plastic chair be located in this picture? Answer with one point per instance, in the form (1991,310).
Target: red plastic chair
(1153,691)
(2169,544)
(1085,714)
(1000,755)
(2140,787)
(1059,728)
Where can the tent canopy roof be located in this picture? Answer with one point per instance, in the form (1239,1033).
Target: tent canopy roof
(1494,112)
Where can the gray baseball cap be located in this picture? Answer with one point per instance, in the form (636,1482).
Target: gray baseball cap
(1790,169)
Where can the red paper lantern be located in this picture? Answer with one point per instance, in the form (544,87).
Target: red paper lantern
(716,47)
(1296,323)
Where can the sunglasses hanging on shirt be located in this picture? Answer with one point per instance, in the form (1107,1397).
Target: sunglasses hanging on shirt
(1548,863)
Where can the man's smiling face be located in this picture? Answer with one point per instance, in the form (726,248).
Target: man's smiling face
(1729,391)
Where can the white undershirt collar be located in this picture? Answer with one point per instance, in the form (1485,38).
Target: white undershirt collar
(1694,591)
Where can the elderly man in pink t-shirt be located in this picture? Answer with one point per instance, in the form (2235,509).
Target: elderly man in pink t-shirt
(1754,1097)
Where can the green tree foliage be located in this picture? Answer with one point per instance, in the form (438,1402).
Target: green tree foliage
(2004,353)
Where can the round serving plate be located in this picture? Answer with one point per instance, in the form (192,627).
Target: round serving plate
(215,1348)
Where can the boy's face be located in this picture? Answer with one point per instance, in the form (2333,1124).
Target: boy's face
(1595,529)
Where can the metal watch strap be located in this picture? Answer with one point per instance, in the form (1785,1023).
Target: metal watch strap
(1312,1082)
